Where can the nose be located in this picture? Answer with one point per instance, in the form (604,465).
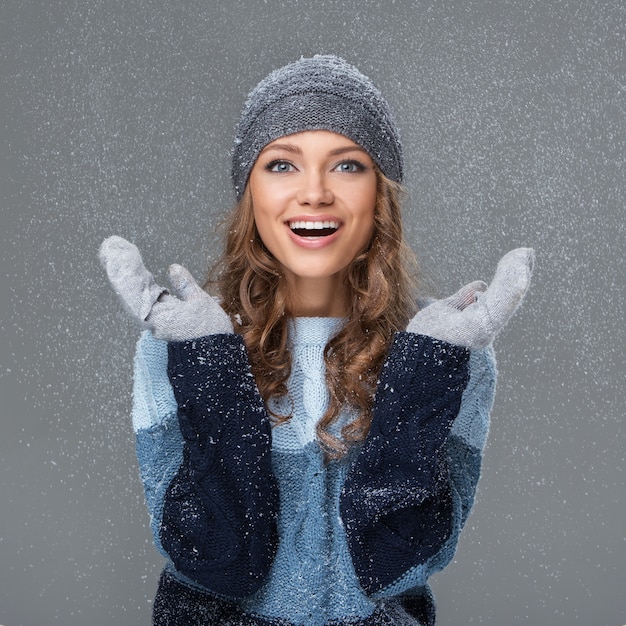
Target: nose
(314,190)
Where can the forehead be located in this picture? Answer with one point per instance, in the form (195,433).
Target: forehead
(318,140)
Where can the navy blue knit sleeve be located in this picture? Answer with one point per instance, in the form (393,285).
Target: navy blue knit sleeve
(396,504)
(219,513)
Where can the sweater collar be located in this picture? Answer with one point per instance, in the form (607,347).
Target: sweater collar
(313,330)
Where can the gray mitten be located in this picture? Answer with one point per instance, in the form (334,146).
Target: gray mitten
(474,315)
(190,314)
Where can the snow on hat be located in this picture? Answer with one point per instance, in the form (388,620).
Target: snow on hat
(323,92)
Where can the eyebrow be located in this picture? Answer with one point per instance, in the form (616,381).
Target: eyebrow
(288,147)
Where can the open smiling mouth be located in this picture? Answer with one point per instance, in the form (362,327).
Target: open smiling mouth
(314,229)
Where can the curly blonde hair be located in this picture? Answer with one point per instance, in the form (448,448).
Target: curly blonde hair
(380,284)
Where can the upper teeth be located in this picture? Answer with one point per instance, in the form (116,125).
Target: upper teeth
(303,225)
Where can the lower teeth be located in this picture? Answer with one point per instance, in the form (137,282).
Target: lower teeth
(317,232)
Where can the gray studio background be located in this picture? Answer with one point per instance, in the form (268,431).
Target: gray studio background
(117,117)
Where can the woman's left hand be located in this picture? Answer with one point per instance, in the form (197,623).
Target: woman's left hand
(474,315)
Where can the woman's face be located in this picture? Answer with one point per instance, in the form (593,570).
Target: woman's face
(313,196)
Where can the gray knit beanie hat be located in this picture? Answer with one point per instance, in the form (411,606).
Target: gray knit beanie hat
(319,93)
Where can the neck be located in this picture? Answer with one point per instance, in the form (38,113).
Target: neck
(317,297)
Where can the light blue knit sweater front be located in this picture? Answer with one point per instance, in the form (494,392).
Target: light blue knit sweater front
(312,580)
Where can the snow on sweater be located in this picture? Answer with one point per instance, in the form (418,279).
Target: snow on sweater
(311,578)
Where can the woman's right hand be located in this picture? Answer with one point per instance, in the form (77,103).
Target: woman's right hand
(189,314)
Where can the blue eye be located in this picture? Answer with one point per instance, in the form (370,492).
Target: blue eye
(350,166)
(279,166)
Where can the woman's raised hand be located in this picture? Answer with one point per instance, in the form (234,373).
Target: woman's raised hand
(189,314)
(474,315)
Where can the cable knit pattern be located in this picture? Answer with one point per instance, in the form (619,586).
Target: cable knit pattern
(472,424)
(219,514)
(312,579)
(153,399)
(179,604)
(159,443)
(464,465)
(308,395)
(396,504)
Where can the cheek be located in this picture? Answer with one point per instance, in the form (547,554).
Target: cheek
(268,227)
(261,209)
(261,220)
(368,231)
(368,210)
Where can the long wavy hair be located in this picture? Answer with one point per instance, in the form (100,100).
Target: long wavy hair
(380,283)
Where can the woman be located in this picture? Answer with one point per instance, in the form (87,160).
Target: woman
(310,442)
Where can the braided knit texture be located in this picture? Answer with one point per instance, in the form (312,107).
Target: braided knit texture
(180,604)
(159,444)
(219,515)
(396,503)
(312,579)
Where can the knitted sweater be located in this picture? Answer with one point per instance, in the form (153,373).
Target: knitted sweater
(258,528)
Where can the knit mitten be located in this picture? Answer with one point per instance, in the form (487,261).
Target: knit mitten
(189,314)
(474,315)
(219,512)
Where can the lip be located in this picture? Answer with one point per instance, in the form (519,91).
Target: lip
(313,243)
